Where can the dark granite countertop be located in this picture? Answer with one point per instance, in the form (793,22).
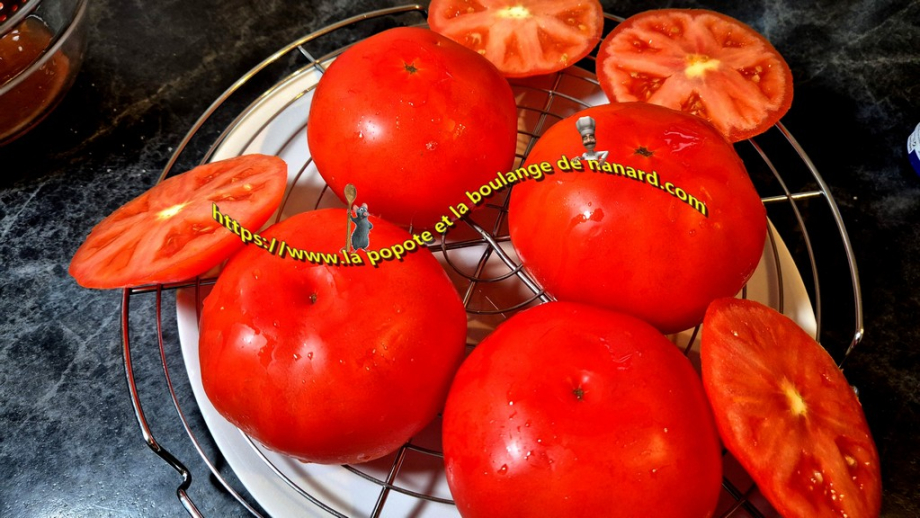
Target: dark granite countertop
(69,441)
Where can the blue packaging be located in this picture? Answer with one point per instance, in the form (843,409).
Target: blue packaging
(913,149)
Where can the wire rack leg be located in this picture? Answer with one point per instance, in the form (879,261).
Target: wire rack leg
(181,491)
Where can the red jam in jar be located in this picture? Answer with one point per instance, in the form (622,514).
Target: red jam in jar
(37,90)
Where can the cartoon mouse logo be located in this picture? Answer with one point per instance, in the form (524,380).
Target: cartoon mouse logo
(585,126)
(360,236)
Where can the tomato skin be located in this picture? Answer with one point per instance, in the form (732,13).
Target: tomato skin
(787,413)
(413,120)
(626,245)
(169,233)
(522,38)
(572,410)
(701,62)
(330,364)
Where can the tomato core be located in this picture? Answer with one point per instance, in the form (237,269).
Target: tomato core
(579,393)
(410,67)
(699,64)
(171,211)
(796,401)
(516,12)
(644,151)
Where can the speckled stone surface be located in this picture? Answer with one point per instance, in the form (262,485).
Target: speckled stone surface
(69,441)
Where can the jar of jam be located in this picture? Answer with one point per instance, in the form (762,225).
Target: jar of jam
(41,48)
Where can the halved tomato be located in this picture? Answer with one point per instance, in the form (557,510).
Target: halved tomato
(521,37)
(171,233)
(787,413)
(700,62)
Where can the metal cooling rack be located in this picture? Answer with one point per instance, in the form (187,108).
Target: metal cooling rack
(799,203)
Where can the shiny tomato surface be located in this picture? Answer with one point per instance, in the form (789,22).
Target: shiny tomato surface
(330,363)
(413,120)
(787,413)
(522,37)
(572,410)
(700,62)
(170,234)
(668,223)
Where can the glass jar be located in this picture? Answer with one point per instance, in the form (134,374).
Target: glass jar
(41,50)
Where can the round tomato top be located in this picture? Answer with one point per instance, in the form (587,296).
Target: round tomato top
(183,226)
(700,62)
(522,37)
(668,221)
(330,363)
(572,410)
(413,120)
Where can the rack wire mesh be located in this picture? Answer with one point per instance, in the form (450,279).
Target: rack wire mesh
(479,258)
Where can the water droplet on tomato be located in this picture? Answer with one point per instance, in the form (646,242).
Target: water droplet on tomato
(296,357)
(256,274)
(310,355)
(503,469)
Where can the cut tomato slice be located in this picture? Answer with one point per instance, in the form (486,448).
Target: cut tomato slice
(787,413)
(171,232)
(700,62)
(521,37)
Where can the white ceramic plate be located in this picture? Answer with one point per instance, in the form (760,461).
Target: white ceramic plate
(275,125)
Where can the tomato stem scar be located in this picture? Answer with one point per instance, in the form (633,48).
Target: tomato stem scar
(410,67)
(644,151)
(579,393)
(313,298)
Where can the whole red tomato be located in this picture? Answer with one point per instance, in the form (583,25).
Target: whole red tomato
(330,363)
(669,222)
(413,120)
(572,410)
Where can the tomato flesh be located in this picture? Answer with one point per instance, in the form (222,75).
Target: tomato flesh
(787,413)
(169,233)
(571,410)
(525,37)
(699,62)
